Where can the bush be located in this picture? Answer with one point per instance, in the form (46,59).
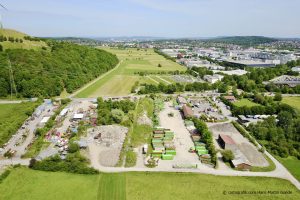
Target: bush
(117,115)
(227,155)
(4,175)
(130,159)
(73,147)
(74,163)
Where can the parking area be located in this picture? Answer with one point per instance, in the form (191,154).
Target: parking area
(186,79)
(206,107)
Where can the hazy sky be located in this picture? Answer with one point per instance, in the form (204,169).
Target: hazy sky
(169,18)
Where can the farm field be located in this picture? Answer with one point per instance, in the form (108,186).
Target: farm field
(120,81)
(292,164)
(245,102)
(28,184)
(292,101)
(12,117)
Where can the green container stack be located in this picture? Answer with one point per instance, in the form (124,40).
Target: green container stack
(162,143)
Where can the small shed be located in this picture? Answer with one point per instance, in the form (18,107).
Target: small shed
(78,116)
(230,98)
(187,111)
(226,142)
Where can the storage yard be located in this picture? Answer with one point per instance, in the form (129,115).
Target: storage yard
(182,140)
(105,144)
(244,151)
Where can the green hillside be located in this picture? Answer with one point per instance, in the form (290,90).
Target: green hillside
(54,67)
(11,39)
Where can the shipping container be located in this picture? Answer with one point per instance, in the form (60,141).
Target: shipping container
(167,157)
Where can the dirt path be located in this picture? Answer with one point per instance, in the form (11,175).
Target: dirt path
(153,79)
(95,80)
(168,82)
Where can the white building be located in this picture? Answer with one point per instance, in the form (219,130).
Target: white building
(296,69)
(213,78)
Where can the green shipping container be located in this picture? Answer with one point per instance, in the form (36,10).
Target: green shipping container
(157,152)
(167,157)
(200,148)
(156,155)
(199,144)
(157,140)
(172,152)
(201,152)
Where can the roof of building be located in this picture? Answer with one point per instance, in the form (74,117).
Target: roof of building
(229,97)
(239,158)
(78,116)
(45,119)
(181,100)
(64,111)
(227,139)
(187,111)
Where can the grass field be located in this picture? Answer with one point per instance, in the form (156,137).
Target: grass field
(292,101)
(120,81)
(26,43)
(292,164)
(26,184)
(12,117)
(245,102)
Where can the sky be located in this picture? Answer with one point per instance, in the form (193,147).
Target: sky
(158,18)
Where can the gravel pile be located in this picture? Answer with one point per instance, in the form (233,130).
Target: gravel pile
(144,120)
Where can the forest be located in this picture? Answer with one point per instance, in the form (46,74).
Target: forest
(281,137)
(48,72)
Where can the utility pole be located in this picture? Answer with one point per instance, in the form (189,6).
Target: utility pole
(11,80)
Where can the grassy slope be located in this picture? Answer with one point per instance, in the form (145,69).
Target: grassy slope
(292,164)
(245,102)
(292,101)
(14,45)
(12,117)
(23,184)
(121,80)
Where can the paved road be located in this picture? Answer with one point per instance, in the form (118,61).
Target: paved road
(279,172)
(95,80)
(12,101)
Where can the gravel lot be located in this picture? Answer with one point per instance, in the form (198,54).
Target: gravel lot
(248,149)
(182,139)
(105,150)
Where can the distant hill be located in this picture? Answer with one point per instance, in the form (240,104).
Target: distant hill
(244,40)
(11,39)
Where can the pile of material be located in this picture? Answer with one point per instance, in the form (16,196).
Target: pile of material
(144,120)
(110,136)
(162,143)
